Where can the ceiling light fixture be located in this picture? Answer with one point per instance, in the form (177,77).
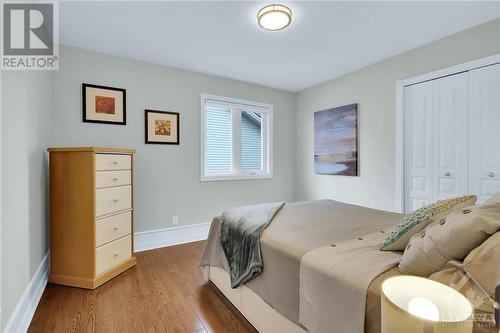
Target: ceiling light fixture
(274,17)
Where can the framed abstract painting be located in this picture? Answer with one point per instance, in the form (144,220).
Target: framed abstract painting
(105,105)
(162,127)
(336,141)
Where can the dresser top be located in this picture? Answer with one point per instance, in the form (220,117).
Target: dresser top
(92,149)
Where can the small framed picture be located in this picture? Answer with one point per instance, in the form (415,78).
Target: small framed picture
(162,127)
(105,105)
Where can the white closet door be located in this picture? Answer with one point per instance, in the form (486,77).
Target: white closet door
(449,143)
(418,145)
(484,122)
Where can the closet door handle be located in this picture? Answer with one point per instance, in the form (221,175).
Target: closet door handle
(491,174)
(447,174)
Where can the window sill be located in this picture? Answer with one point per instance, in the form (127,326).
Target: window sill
(218,178)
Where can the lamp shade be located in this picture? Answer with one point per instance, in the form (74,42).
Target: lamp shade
(413,304)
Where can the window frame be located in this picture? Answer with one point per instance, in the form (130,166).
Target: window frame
(267,139)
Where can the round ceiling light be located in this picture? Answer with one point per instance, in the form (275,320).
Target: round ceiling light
(274,17)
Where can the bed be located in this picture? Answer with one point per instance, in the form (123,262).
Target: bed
(322,272)
(284,243)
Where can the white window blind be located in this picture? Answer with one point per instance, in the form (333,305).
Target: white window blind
(236,139)
(219,138)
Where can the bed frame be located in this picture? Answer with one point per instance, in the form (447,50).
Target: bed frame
(260,314)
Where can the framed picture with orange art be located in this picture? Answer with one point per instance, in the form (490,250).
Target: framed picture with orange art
(105,105)
(162,127)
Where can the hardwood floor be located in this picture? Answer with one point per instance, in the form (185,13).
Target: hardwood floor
(165,292)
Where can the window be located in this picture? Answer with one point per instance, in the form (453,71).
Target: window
(236,139)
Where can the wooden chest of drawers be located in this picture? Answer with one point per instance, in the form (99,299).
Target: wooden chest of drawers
(91,215)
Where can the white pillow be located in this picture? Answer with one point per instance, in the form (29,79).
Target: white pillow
(451,238)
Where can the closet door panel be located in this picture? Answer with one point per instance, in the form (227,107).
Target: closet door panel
(484,128)
(418,145)
(449,121)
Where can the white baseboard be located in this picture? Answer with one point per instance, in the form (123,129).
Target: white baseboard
(153,239)
(25,308)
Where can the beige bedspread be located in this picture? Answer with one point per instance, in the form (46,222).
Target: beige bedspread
(334,281)
(297,229)
(373,309)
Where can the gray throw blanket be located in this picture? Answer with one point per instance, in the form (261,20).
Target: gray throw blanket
(240,233)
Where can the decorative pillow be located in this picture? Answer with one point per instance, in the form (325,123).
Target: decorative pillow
(476,278)
(419,219)
(452,238)
(482,264)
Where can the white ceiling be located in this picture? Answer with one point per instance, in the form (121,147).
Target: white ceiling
(324,41)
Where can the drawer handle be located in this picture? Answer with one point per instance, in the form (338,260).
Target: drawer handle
(491,174)
(116,254)
(115,200)
(115,162)
(115,179)
(115,228)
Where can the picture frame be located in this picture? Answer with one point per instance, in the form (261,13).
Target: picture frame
(336,141)
(162,127)
(104,105)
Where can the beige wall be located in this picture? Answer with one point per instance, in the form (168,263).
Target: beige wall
(26,106)
(373,88)
(167,176)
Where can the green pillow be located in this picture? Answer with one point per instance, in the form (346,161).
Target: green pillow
(417,220)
